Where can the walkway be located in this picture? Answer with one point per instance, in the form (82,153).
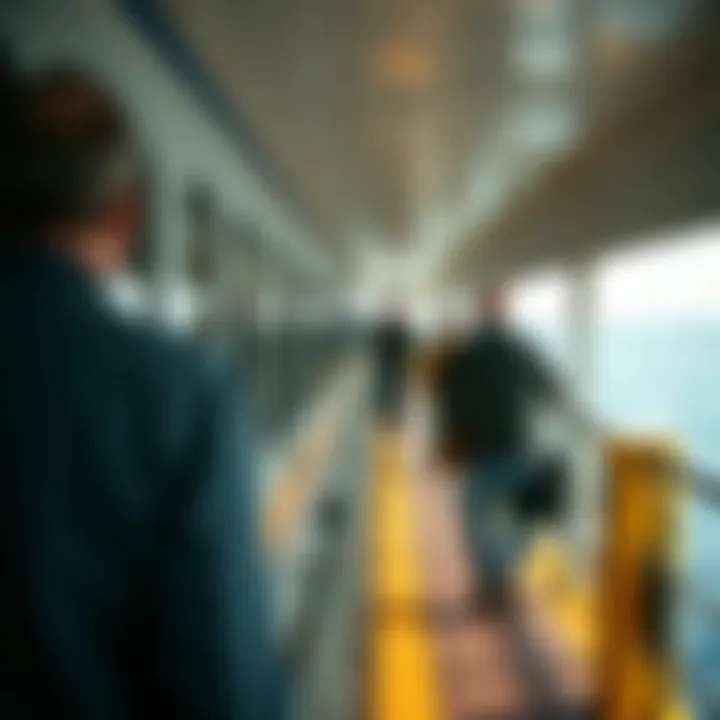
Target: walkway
(428,660)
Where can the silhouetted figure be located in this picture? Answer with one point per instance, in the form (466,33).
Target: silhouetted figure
(131,583)
(487,389)
(392,350)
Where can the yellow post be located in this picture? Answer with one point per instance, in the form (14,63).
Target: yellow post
(637,674)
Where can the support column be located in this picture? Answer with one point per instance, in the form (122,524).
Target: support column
(584,506)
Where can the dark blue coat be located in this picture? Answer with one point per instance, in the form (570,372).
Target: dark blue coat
(129,570)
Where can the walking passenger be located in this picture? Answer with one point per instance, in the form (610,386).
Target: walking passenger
(392,346)
(486,393)
(131,583)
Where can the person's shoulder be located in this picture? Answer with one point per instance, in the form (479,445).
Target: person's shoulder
(495,339)
(164,359)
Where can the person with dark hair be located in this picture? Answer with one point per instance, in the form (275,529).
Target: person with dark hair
(486,392)
(131,577)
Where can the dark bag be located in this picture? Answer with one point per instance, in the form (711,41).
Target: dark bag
(542,498)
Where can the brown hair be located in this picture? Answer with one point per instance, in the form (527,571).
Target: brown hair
(67,148)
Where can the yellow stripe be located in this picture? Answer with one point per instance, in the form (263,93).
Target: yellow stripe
(402,677)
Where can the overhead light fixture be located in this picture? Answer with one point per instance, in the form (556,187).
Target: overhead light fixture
(403,65)
(544,39)
(544,57)
(544,126)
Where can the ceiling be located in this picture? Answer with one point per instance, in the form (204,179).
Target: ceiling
(412,125)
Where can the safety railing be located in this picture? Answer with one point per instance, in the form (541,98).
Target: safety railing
(704,486)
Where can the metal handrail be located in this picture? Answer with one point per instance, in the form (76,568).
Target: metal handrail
(702,602)
(704,485)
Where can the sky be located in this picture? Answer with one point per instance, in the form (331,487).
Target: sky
(672,278)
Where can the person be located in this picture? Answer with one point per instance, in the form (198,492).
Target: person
(392,346)
(487,388)
(131,580)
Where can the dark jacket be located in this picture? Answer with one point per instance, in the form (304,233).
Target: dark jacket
(130,574)
(392,348)
(486,392)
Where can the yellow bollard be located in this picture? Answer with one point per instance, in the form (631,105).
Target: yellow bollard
(637,674)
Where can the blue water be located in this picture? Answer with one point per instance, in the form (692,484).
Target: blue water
(667,377)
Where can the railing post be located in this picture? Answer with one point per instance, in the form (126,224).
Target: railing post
(586,452)
(638,579)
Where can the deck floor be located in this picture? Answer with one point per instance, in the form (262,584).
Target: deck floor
(443,665)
